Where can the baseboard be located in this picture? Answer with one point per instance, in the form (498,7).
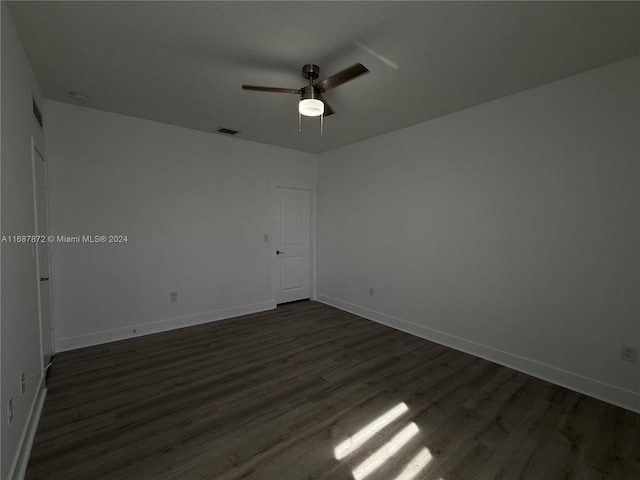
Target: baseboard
(130,331)
(21,459)
(588,386)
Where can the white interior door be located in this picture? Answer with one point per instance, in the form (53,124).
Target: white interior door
(293,253)
(40,186)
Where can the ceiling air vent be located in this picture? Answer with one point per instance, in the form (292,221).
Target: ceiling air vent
(227,131)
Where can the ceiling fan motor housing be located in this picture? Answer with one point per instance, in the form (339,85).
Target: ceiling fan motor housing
(310,92)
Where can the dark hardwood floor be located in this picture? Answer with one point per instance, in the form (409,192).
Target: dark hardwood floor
(281,395)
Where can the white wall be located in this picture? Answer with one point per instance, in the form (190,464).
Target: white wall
(509,230)
(19,327)
(195,207)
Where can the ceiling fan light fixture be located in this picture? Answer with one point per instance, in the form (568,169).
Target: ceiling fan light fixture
(311,107)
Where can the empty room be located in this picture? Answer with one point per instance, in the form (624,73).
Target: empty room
(331,240)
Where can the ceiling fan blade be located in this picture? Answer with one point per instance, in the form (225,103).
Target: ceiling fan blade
(341,77)
(327,108)
(271,89)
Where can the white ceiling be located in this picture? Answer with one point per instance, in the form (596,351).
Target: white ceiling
(183,62)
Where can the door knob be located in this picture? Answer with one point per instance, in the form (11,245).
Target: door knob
(44,279)
(278,252)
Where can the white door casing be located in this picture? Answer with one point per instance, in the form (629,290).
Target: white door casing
(43,269)
(293,244)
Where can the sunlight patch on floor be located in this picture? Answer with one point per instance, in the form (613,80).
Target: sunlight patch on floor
(377,459)
(416,465)
(380,456)
(355,441)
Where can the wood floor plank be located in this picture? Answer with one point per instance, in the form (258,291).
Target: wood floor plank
(270,396)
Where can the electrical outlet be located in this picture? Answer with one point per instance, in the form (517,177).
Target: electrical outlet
(10,411)
(23,384)
(371,291)
(173,297)
(628,353)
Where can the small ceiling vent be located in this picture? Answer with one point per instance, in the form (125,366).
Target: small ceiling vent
(227,131)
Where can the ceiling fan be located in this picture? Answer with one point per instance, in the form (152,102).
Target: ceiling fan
(312,103)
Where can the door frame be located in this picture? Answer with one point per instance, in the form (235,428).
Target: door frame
(37,151)
(275,225)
